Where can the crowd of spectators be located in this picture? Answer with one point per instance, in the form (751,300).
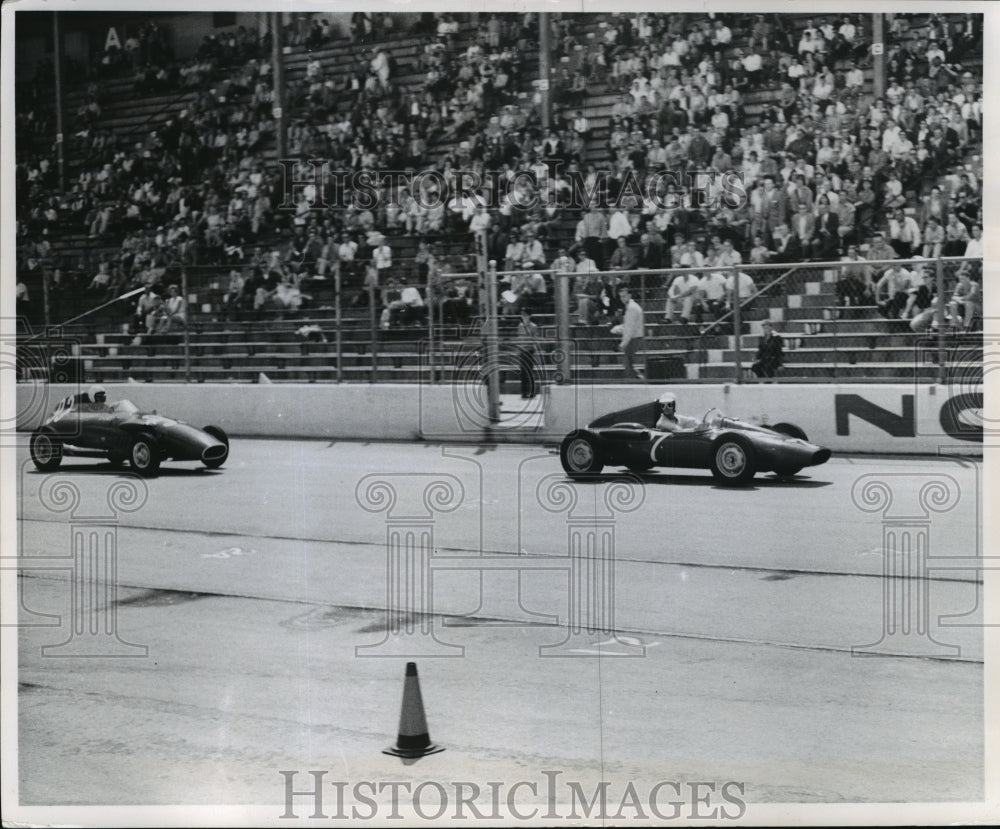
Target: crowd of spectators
(825,166)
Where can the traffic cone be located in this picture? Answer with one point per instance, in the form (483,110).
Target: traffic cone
(413,740)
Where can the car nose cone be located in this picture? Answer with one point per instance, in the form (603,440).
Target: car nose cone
(213,453)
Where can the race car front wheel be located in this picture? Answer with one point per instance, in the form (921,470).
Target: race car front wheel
(145,456)
(579,455)
(733,461)
(46,451)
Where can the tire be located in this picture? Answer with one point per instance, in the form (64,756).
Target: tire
(789,429)
(733,461)
(217,433)
(579,454)
(144,456)
(46,451)
(640,468)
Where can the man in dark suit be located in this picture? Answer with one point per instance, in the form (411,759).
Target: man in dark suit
(769,353)
(650,253)
(787,247)
(826,238)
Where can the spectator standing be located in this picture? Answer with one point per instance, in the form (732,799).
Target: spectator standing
(633,332)
(346,252)
(770,352)
(768,208)
(382,260)
(591,231)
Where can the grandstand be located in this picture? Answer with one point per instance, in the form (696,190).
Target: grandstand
(174,175)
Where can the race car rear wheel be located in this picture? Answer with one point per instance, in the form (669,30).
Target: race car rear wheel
(579,454)
(217,433)
(145,456)
(46,451)
(733,460)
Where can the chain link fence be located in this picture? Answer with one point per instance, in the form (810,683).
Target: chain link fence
(852,320)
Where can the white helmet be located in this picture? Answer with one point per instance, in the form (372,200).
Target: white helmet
(97,389)
(667,397)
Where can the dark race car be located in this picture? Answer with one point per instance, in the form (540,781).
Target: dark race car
(733,449)
(119,432)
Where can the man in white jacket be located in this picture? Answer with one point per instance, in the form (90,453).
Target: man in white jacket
(633,332)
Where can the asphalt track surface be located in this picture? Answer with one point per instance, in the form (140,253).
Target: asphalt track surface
(251,588)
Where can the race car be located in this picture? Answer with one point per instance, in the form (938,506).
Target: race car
(733,449)
(85,425)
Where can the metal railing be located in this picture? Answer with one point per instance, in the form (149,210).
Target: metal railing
(832,326)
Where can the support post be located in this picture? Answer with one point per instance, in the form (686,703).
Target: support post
(338,318)
(878,55)
(737,326)
(278,75)
(565,345)
(187,327)
(939,320)
(492,343)
(57,62)
(373,323)
(544,69)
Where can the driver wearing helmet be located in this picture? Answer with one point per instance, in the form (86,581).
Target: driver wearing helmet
(669,420)
(98,399)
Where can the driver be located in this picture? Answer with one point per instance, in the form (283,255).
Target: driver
(98,399)
(670,421)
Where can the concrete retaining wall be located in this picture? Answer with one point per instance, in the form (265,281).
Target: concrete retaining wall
(903,418)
